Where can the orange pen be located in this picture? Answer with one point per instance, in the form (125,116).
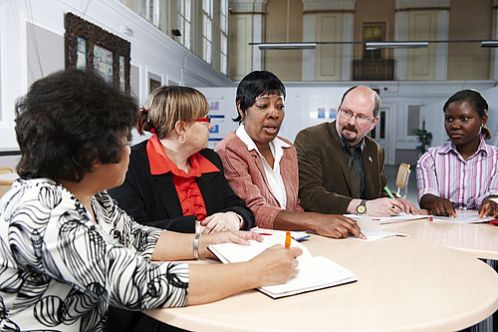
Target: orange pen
(288,239)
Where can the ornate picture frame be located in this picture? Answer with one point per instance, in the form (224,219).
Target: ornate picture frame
(90,47)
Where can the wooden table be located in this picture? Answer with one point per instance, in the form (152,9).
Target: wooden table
(481,239)
(403,285)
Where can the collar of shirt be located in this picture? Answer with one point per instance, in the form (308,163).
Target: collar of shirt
(450,147)
(276,145)
(160,163)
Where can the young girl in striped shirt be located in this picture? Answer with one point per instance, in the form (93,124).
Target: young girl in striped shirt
(461,173)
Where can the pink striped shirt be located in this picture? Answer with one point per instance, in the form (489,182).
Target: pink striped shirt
(443,172)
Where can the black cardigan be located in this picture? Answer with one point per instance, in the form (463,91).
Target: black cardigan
(152,199)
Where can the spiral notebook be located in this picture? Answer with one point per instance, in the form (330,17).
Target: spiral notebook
(314,272)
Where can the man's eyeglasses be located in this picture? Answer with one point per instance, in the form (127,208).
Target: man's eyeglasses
(361,118)
(206,119)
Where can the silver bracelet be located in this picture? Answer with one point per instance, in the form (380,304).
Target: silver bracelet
(196,245)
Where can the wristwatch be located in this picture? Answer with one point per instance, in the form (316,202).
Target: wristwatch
(362,207)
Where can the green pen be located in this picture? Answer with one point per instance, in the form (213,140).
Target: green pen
(388,191)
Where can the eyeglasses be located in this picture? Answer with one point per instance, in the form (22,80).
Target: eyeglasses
(205,119)
(361,118)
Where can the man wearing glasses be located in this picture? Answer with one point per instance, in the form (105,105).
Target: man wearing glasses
(341,169)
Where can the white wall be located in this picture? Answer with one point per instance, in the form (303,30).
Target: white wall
(433,115)
(307,103)
(38,26)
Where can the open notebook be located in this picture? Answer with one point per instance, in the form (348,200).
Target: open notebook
(314,272)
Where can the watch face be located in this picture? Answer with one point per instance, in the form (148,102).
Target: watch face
(361,209)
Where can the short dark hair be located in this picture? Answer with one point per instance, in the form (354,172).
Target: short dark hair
(477,101)
(69,120)
(254,85)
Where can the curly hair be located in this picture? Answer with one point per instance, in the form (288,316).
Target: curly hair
(69,120)
(478,103)
(168,104)
(254,85)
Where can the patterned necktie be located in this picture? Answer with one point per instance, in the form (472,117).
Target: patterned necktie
(355,167)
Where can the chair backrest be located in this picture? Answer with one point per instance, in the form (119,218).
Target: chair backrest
(5,183)
(5,170)
(402,179)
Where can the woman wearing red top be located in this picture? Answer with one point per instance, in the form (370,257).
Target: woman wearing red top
(173,180)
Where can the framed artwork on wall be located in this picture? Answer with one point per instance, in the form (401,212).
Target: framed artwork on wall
(90,47)
(155,81)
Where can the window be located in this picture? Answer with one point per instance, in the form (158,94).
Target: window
(207,30)
(184,10)
(149,9)
(224,36)
(373,32)
(413,119)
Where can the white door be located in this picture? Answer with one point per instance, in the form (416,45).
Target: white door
(384,134)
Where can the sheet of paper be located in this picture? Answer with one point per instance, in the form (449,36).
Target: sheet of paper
(296,235)
(370,228)
(390,219)
(463,216)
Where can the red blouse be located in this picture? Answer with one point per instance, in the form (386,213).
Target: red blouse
(186,186)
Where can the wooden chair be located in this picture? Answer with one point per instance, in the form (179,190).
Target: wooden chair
(402,179)
(5,170)
(5,184)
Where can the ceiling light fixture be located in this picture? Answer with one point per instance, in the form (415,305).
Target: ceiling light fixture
(284,46)
(489,43)
(396,44)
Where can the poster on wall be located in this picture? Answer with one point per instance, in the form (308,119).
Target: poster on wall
(304,107)
(221,103)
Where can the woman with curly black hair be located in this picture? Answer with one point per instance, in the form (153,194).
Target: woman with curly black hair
(67,251)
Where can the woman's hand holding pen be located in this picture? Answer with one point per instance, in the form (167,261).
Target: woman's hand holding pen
(335,226)
(488,208)
(276,265)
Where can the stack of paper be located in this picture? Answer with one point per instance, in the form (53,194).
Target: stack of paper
(314,272)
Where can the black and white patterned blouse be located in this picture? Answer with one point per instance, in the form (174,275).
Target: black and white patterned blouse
(59,270)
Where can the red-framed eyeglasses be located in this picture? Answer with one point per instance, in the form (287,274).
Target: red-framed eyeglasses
(205,119)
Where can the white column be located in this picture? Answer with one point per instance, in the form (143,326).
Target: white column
(347,49)
(257,37)
(442,31)
(255,8)
(400,33)
(309,34)
(494,55)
